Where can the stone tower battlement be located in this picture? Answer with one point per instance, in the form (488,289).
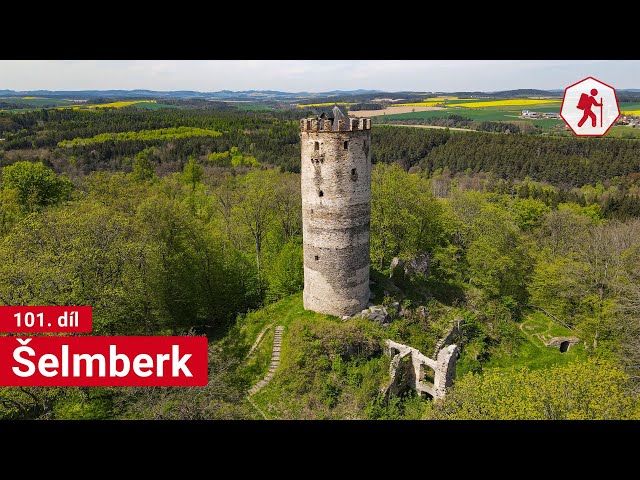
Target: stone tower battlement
(336,207)
(326,125)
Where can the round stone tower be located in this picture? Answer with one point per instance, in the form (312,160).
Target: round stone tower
(336,208)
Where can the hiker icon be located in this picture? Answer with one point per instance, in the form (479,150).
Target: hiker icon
(585,103)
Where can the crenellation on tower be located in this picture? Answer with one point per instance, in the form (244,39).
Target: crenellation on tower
(325,125)
(336,209)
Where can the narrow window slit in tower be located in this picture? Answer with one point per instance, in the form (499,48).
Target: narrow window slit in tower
(316,146)
(321,193)
(353,171)
(346,145)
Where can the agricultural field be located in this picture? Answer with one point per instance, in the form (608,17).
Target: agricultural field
(517,102)
(489,115)
(429,102)
(113,104)
(27,103)
(630,108)
(325,104)
(489,110)
(394,111)
(24,104)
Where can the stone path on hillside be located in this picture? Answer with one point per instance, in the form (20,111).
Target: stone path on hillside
(275,362)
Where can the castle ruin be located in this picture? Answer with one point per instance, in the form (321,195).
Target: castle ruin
(336,210)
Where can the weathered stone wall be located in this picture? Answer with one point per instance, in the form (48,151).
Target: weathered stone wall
(336,200)
(409,368)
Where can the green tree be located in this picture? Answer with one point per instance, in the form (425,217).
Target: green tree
(142,168)
(498,260)
(219,159)
(253,210)
(285,274)
(405,218)
(36,185)
(192,173)
(9,209)
(593,390)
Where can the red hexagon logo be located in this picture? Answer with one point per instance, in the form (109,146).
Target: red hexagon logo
(590,107)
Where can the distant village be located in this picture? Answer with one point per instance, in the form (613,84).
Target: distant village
(629,120)
(530,114)
(632,121)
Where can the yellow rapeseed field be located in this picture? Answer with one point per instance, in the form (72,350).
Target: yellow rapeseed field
(517,102)
(633,113)
(108,105)
(429,102)
(417,104)
(120,104)
(29,98)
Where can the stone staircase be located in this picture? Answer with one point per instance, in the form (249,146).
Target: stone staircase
(275,362)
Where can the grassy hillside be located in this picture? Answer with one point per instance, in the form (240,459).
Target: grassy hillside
(537,328)
(332,369)
(329,368)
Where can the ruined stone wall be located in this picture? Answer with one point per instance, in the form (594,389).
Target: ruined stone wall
(336,199)
(409,369)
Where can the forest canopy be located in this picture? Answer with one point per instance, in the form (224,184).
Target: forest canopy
(188,221)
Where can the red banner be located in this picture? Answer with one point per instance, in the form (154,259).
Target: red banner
(50,319)
(103,361)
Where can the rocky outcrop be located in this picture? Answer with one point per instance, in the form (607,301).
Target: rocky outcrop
(420,265)
(397,270)
(376,313)
(402,270)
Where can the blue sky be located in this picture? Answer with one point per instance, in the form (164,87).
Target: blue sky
(312,75)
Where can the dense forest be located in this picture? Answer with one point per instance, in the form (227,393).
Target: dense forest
(188,221)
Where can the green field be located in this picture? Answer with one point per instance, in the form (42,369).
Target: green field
(481,114)
(629,106)
(618,131)
(509,113)
(36,101)
(24,104)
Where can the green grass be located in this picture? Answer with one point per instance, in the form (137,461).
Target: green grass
(532,352)
(332,369)
(618,131)
(624,106)
(37,101)
(492,114)
(622,131)
(329,368)
(317,377)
